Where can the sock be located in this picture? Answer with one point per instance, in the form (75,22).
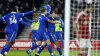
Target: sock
(4,49)
(33,47)
(62,43)
(49,49)
(8,49)
(59,50)
(40,49)
(33,42)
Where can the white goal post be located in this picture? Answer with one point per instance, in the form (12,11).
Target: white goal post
(67,27)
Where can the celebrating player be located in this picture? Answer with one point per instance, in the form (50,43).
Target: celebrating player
(12,19)
(34,29)
(42,35)
(82,30)
(59,28)
(51,34)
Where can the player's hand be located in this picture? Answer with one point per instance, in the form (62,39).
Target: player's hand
(34,9)
(32,27)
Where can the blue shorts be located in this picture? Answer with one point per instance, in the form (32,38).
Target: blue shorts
(34,33)
(52,37)
(59,35)
(11,34)
(42,36)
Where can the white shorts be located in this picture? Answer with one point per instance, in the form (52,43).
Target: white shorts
(83,43)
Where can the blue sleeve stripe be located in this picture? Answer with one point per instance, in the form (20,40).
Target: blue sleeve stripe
(12,36)
(23,14)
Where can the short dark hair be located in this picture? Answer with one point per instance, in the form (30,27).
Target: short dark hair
(53,11)
(14,9)
(43,10)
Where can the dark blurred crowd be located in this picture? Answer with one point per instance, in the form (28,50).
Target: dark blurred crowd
(59,5)
(23,6)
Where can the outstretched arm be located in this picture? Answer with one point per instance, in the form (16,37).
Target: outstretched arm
(2,19)
(51,21)
(30,21)
(54,22)
(23,22)
(29,12)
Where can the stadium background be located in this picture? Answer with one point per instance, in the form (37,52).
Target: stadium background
(23,6)
(24,35)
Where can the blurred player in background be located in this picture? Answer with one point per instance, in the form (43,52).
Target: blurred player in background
(41,33)
(12,19)
(81,26)
(34,27)
(51,34)
(59,28)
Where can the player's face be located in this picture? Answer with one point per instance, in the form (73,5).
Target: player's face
(54,15)
(45,12)
(36,19)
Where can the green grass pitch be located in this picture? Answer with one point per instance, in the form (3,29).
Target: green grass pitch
(93,53)
(46,53)
(23,53)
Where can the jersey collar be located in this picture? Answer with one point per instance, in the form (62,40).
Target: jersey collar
(13,12)
(43,14)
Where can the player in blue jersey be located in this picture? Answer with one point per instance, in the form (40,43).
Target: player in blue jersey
(48,8)
(34,29)
(51,34)
(12,19)
(41,33)
(59,28)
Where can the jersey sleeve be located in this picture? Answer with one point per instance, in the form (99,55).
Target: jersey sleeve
(2,18)
(26,13)
(46,19)
(23,22)
(62,23)
(30,21)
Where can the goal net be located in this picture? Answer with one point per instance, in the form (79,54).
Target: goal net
(77,6)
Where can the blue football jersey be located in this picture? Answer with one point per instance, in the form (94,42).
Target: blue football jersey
(42,23)
(12,19)
(51,26)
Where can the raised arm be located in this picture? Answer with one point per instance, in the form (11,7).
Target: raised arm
(51,21)
(29,12)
